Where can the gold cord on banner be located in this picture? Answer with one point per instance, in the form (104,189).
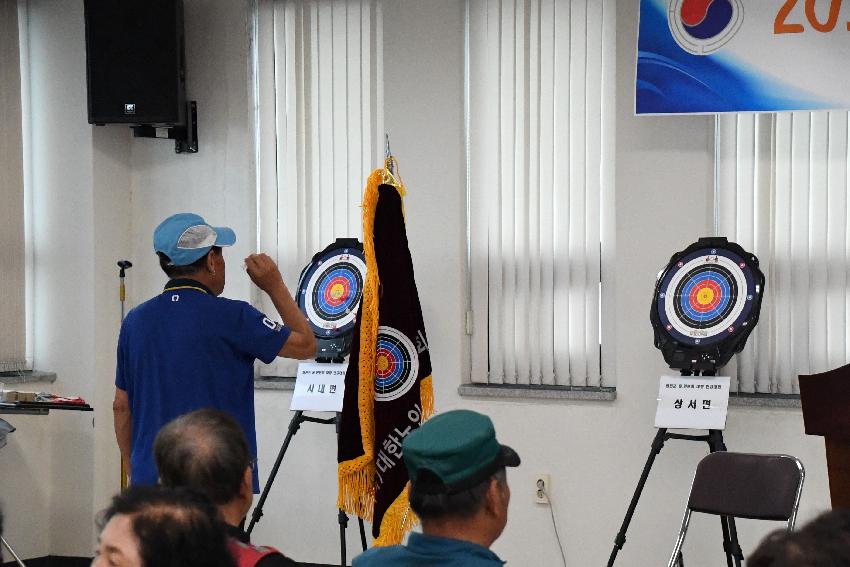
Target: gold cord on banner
(391,176)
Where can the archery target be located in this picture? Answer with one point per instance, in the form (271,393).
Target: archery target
(331,291)
(706,296)
(396,364)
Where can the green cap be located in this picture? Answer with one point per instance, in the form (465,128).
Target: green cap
(458,448)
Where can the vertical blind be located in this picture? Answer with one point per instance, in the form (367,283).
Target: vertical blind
(540,84)
(12,252)
(782,193)
(320,125)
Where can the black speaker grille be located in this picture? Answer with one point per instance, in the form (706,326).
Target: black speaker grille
(135,61)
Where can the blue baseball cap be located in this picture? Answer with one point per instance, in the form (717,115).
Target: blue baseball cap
(186,237)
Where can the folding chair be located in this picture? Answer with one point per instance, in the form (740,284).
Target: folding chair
(743,485)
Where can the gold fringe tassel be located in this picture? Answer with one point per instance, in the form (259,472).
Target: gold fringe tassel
(357,476)
(397,521)
(426,396)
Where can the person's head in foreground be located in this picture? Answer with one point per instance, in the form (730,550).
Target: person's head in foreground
(188,247)
(207,451)
(459,490)
(823,542)
(153,526)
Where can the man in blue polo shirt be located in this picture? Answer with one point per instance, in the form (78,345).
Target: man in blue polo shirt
(188,348)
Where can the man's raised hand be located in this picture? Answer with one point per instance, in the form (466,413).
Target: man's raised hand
(263,272)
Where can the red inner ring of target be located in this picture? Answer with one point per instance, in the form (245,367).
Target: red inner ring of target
(693,298)
(391,362)
(336,301)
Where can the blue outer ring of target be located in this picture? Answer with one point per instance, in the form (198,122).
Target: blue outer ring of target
(747,297)
(725,296)
(398,374)
(353,287)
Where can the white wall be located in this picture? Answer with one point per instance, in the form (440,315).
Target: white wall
(99,195)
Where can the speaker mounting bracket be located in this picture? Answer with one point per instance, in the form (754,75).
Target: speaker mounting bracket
(185,136)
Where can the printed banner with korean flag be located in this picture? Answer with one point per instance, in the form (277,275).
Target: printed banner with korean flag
(710,56)
(388,390)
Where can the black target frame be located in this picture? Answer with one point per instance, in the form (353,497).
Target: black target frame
(332,343)
(687,342)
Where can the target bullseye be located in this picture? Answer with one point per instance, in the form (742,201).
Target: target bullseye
(705,296)
(337,291)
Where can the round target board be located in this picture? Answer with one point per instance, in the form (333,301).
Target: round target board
(330,290)
(396,364)
(706,295)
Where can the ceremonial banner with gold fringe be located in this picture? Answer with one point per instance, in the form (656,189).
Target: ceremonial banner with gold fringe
(388,391)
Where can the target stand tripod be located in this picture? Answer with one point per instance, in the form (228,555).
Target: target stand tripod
(714,438)
(342,518)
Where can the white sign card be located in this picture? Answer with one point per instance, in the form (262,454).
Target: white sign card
(319,387)
(692,402)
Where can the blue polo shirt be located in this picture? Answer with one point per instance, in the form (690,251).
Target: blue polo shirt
(187,349)
(434,551)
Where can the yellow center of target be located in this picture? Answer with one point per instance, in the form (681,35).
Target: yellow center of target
(337,291)
(383,364)
(705,296)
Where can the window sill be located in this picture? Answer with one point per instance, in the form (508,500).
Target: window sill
(537,392)
(764,400)
(282,383)
(27,377)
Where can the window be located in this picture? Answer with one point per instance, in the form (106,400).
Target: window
(13,331)
(540,111)
(782,194)
(318,71)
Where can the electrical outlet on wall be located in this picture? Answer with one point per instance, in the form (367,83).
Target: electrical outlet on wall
(542,488)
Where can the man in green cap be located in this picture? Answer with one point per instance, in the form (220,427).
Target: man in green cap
(459,490)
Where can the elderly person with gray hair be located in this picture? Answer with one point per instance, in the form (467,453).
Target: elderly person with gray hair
(207,451)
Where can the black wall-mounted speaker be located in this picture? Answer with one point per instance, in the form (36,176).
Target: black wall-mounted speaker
(135,62)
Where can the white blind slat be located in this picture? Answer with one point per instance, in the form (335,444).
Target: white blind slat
(521,194)
(480,143)
(532,229)
(560,194)
(817,221)
(593,157)
(836,223)
(546,213)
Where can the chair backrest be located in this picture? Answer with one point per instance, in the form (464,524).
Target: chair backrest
(744,485)
(5,429)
